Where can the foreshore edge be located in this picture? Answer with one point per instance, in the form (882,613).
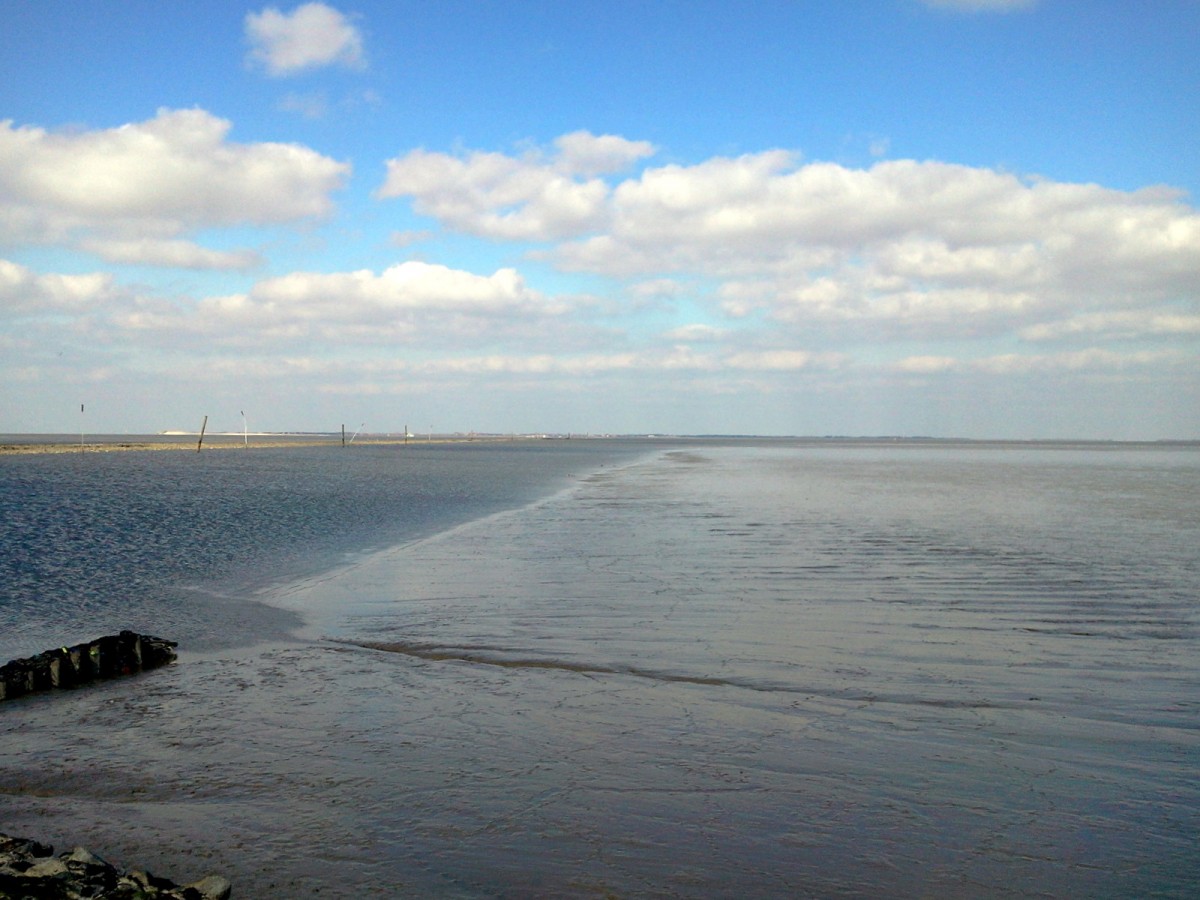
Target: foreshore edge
(227,442)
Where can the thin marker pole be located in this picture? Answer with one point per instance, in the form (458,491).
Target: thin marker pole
(343,434)
(80,427)
(245,435)
(203,425)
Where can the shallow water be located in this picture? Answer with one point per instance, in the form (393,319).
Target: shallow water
(723,671)
(176,542)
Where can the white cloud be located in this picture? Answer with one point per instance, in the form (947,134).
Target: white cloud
(925,245)
(132,193)
(766,205)
(898,251)
(409,285)
(409,302)
(650,361)
(657,288)
(1096,361)
(1121,324)
(169,253)
(583,153)
(493,195)
(311,36)
(779,360)
(532,197)
(696,333)
(24,292)
(924,365)
(902,271)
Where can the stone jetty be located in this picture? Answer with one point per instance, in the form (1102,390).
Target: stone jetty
(29,869)
(67,667)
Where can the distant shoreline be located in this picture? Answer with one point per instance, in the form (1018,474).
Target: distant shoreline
(176,440)
(229,442)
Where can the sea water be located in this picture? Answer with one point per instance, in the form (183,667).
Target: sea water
(179,540)
(747,669)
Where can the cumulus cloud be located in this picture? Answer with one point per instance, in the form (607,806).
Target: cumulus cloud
(657,288)
(780,360)
(901,250)
(746,273)
(24,292)
(584,153)
(409,285)
(496,196)
(405,302)
(925,365)
(176,254)
(660,360)
(536,196)
(311,36)
(1093,360)
(133,193)
(48,314)
(765,206)
(1119,325)
(696,333)
(924,245)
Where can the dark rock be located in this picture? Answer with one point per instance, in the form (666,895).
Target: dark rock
(66,667)
(23,849)
(30,871)
(211,887)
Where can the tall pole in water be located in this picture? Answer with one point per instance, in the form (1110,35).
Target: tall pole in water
(80,427)
(203,425)
(343,434)
(245,434)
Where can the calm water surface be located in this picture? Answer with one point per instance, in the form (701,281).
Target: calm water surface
(177,541)
(712,671)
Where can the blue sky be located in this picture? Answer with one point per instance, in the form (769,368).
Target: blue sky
(889,217)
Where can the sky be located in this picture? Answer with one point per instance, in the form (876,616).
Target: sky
(949,218)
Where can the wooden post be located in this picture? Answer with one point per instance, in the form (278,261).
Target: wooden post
(202,427)
(343,434)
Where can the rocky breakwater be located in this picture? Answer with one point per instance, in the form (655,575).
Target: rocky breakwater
(67,667)
(29,869)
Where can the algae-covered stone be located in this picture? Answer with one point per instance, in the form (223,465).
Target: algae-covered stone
(66,667)
(29,869)
(213,887)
